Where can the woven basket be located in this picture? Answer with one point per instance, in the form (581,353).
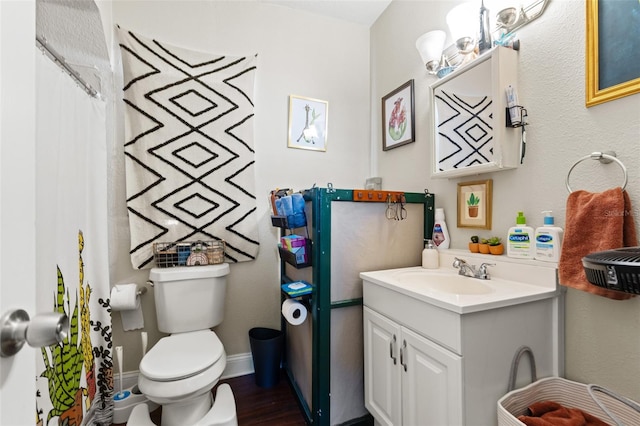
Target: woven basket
(593,399)
(195,253)
(569,394)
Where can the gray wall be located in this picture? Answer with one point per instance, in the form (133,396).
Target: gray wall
(602,343)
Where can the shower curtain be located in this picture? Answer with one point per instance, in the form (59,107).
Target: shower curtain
(74,378)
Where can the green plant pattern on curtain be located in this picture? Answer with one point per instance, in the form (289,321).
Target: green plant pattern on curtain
(66,361)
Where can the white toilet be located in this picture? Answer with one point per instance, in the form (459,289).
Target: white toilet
(180,371)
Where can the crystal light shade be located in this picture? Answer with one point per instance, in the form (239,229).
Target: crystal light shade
(430,47)
(464,26)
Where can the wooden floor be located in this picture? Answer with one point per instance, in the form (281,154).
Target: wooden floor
(258,406)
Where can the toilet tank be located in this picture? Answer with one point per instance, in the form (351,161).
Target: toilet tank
(189,298)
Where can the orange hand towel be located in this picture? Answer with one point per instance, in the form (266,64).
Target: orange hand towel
(549,413)
(594,222)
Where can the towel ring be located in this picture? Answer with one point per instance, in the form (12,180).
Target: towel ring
(604,158)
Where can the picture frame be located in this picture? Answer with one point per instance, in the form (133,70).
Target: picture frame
(398,117)
(307,123)
(613,56)
(475,204)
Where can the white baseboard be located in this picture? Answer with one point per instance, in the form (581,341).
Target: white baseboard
(237,365)
(129,380)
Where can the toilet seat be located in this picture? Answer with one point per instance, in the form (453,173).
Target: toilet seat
(180,356)
(182,366)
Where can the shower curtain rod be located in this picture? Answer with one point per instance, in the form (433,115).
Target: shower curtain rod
(41,43)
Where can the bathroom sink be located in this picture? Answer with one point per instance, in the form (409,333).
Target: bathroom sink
(511,282)
(442,282)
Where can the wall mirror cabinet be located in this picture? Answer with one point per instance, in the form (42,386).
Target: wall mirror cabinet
(468,111)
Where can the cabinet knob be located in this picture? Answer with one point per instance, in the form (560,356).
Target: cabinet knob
(402,350)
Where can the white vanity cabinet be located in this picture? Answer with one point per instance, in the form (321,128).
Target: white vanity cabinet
(468,112)
(431,364)
(409,379)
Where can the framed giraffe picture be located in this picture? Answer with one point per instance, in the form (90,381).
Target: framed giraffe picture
(308,123)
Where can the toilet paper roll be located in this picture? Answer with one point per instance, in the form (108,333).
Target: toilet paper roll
(126,300)
(294,312)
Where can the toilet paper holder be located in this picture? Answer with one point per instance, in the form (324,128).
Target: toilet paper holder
(16,329)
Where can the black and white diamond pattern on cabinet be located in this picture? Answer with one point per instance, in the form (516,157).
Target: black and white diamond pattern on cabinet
(465,130)
(189,156)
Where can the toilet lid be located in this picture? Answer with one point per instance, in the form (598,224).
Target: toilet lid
(182,355)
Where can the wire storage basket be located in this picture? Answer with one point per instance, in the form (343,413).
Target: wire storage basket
(592,399)
(185,253)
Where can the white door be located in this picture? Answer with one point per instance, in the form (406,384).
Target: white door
(431,383)
(17,200)
(382,368)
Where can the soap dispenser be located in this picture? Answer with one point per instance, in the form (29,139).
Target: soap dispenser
(520,239)
(548,239)
(430,257)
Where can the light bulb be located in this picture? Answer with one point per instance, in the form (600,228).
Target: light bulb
(430,47)
(463,24)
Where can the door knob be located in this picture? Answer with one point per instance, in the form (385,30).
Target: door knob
(16,328)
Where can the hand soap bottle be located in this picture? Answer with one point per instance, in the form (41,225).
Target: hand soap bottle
(430,258)
(548,240)
(520,239)
(440,231)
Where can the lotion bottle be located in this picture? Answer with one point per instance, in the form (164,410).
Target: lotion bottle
(440,231)
(520,239)
(430,258)
(548,240)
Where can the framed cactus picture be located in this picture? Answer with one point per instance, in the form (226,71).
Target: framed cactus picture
(474,204)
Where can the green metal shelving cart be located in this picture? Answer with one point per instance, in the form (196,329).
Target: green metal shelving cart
(350,231)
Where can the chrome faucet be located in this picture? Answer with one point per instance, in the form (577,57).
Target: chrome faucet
(468,270)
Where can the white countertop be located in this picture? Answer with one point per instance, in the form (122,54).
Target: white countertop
(513,281)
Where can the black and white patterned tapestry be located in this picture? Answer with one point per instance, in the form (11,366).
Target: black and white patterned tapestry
(465,130)
(188,148)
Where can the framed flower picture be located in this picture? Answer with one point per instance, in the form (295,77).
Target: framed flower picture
(474,204)
(398,116)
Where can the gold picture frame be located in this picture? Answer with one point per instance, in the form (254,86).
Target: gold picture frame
(474,204)
(307,123)
(612,78)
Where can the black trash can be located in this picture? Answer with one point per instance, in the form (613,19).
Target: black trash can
(266,351)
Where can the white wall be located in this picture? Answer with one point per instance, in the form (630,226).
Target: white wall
(327,59)
(602,344)
(298,54)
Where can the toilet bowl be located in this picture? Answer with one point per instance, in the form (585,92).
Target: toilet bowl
(222,413)
(179,373)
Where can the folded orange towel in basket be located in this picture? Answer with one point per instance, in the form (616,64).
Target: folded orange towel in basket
(549,413)
(594,222)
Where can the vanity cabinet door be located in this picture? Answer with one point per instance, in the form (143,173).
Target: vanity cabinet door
(431,382)
(381,368)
